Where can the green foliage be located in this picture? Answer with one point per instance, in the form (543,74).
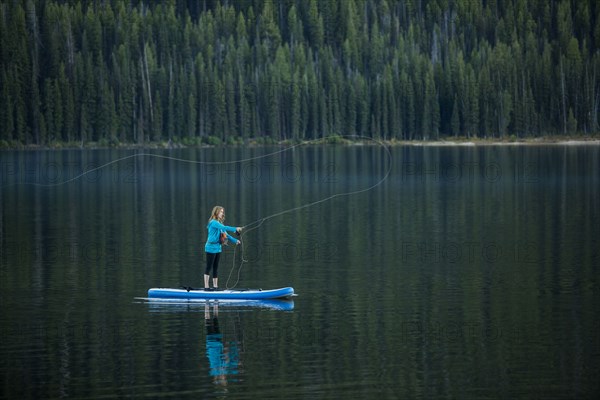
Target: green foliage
(234,141)
(334,139)
(212,141)
(143,71)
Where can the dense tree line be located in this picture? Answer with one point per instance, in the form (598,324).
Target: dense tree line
(140,71)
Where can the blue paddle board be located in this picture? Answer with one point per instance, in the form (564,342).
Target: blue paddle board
(226,294)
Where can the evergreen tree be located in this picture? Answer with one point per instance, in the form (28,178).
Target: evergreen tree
(455,120)
(150,71)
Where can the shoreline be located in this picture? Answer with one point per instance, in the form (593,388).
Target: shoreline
(485,142)
(330,140)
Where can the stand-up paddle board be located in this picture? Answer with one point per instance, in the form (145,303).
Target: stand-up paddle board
(226,294)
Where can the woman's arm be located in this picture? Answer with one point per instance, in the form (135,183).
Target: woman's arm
(226,228)
(232,239)
(222,227)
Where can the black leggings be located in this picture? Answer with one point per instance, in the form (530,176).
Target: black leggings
(212,262)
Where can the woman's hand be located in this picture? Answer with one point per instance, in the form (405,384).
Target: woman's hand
(238,230)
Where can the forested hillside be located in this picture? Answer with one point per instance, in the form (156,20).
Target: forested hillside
(208,71)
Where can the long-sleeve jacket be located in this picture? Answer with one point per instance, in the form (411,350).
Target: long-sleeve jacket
(215,228)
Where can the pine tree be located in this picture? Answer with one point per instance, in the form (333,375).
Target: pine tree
(48,112)
(59,110)
(68,105)
(34,69)
(295,111)
(571,122)
(351,109)
(455,120)
(302,69)
(315,25)
(220,108)
(362,99)
(7,125)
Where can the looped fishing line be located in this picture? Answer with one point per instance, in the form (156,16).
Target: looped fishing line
(260,221)
(255,224)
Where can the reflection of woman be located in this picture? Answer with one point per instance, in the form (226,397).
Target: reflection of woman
(213,246)
(223,359)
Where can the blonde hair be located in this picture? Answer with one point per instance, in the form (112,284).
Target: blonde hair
(215,214)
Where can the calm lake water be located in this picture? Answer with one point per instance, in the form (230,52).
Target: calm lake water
(470,272)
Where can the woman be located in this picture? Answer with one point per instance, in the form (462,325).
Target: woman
(213,246)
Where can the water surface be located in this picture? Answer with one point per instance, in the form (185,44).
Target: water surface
(470,272)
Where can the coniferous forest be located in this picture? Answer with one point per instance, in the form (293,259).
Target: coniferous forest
(214,71)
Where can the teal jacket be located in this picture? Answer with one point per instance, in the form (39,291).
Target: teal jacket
(215,228)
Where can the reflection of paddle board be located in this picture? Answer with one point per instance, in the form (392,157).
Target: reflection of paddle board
(227,294)
(158,304)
